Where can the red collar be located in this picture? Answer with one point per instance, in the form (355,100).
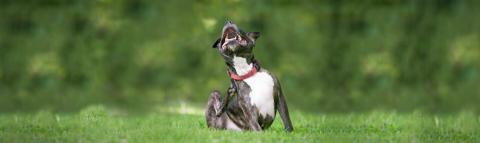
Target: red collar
(250,73)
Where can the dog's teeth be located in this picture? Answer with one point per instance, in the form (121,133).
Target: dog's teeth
(229,39)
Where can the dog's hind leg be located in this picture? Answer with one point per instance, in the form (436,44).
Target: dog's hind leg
(230,93)
(218,120)
(213,106)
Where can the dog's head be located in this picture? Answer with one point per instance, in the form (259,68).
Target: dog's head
(235,42)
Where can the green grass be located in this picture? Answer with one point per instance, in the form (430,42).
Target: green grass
(100,124)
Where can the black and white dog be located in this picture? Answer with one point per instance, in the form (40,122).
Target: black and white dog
(254,94)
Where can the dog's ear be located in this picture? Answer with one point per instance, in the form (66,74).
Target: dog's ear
(215,44)
(253,35)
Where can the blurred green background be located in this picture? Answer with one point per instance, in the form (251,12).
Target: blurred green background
(330,56)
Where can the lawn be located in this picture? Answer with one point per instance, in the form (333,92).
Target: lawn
(102,124)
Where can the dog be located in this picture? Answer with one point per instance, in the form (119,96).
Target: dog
(254,94)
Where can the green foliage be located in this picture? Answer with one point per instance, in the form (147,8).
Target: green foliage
(100,124)
(330,56)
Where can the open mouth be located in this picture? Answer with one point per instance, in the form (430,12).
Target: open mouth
(231,34)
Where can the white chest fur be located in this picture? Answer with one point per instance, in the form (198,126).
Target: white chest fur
(261,94)
(261,85)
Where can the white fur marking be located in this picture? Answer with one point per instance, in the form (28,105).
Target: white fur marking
(241,66)
(232,126)
(261,95)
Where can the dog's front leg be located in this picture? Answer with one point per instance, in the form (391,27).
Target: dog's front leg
(251,115)
(253,121)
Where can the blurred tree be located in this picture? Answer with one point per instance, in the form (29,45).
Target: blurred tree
(336,55)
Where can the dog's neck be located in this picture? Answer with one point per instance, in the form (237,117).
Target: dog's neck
(242,66)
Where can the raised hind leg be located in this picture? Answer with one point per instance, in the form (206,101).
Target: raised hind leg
(213,107)
(214,115)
